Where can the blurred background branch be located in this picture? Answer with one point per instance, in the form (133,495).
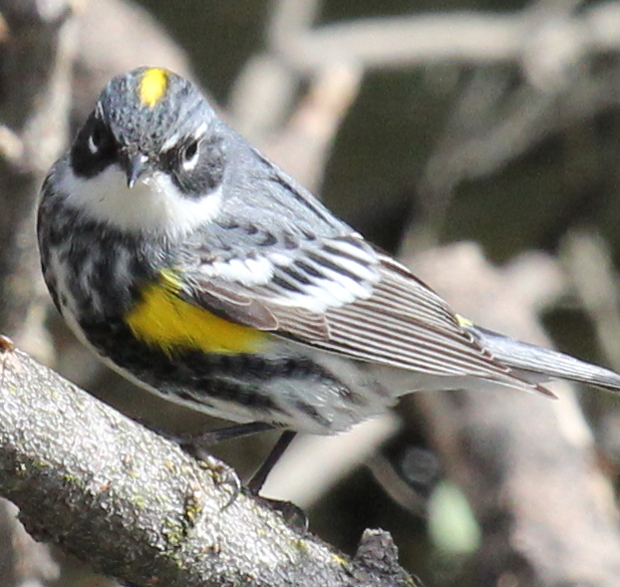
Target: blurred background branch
(37,42)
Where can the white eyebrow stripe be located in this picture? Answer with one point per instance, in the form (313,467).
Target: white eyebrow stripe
(175,137)
(171,142)
(201,130)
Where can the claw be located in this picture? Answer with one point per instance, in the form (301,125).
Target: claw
(6,344)
(223,476)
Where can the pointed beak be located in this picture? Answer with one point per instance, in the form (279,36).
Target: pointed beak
(135,166)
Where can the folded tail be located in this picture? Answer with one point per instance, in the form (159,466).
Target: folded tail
(532,359)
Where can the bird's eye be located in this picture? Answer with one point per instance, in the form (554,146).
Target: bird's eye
(189,155)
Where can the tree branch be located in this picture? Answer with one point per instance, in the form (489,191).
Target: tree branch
(473,37)
(137,507)
(34,105)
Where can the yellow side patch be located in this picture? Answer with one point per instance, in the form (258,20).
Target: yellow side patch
(163,320)
(153,86)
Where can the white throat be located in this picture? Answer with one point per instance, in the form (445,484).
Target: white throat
(153,205)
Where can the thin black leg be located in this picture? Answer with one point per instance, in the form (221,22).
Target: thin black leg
(205,439)
(230,432)
(196,445)
(255,484)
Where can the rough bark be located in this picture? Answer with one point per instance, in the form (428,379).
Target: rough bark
(137,507)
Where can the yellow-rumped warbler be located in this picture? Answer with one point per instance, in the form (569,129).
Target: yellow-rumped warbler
(201,271)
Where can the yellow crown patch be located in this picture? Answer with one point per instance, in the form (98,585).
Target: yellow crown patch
(153,86)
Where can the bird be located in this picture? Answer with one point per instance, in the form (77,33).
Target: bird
(195,267)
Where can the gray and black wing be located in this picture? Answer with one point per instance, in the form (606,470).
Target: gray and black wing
(341,295)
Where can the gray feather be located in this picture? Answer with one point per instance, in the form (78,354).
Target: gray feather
(535,359)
